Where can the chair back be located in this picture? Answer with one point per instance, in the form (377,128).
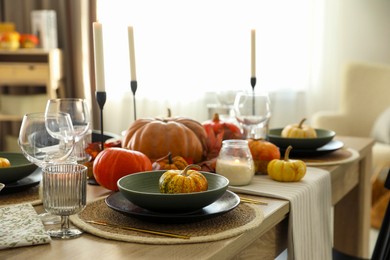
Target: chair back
(365,95)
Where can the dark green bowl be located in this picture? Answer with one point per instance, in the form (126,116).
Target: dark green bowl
(20,168)
(142,189)
(323,137)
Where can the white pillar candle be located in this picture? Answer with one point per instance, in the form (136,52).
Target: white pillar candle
(237,172)
(253,53)
(99,58)
(132,53)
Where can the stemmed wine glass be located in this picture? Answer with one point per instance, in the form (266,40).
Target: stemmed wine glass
(64,194)
(252,111)
(78,110)
(46,138)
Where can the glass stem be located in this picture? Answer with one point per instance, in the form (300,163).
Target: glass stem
(65,223)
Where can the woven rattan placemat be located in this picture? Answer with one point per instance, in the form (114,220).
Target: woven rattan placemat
(30,195)
(244,217)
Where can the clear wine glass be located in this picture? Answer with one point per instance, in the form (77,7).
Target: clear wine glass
(252,111)
(78,110)
(46,138)
(64,194)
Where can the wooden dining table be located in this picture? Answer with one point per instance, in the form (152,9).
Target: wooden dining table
(351,198)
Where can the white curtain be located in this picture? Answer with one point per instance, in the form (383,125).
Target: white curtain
(188,51)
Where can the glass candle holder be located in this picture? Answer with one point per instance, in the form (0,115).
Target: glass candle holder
(235,162)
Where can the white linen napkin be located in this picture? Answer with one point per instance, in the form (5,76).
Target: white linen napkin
(20,226)
(310,227)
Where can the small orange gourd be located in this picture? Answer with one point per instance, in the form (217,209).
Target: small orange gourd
(286,170)
(183,181)
(4,163)
(170,163)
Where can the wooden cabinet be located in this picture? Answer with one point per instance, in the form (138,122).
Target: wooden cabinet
(27,68)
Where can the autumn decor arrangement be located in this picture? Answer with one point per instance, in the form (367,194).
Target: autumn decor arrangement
(287,170)
(218,130)
(299,131)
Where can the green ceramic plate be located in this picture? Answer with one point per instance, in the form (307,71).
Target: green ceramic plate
(20,167)
(323,137)
(142,189)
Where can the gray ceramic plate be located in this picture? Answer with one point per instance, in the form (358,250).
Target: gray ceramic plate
(142,189)
(323,137)
(20,167)
(224,204)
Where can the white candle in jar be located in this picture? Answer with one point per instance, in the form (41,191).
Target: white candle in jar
(99,58)
(236,171)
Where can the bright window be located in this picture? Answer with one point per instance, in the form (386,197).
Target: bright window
(186,48)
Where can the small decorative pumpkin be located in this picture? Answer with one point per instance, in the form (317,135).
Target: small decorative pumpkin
(183,181)
(262,152)
(113,163)
(157,137)
(4,163)
(169,163)
(218,130)
(299,131)
(287,170)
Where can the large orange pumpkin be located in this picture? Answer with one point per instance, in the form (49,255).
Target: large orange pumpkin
(157,137)
(111,164)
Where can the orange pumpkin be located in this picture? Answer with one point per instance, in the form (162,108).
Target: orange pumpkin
(218,130)
(157,137)
(111,164)
(169,163)
(4,163)
(263,152)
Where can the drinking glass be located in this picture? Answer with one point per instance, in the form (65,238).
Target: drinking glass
(64,194)
(78,110)
(46,138)
(252,111)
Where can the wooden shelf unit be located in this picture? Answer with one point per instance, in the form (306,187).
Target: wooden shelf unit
(35,68)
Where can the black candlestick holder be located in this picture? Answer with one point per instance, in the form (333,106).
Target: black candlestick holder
(133,85)
(253,84)
(101,97)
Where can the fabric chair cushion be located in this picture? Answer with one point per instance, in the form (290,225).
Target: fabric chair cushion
(381,129)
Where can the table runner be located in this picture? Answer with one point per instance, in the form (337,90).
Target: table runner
(243,218)
(310,230)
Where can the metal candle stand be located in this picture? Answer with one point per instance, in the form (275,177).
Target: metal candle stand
(253,84)
(133,85)
(101,100)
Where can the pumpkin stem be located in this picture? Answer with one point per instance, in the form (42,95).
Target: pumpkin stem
(301,123)
(169,112)
(170,161)
(216,117)
(188,167)
(287,153)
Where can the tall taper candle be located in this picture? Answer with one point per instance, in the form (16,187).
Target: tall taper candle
(253,54)
(99,59)
(132,53)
